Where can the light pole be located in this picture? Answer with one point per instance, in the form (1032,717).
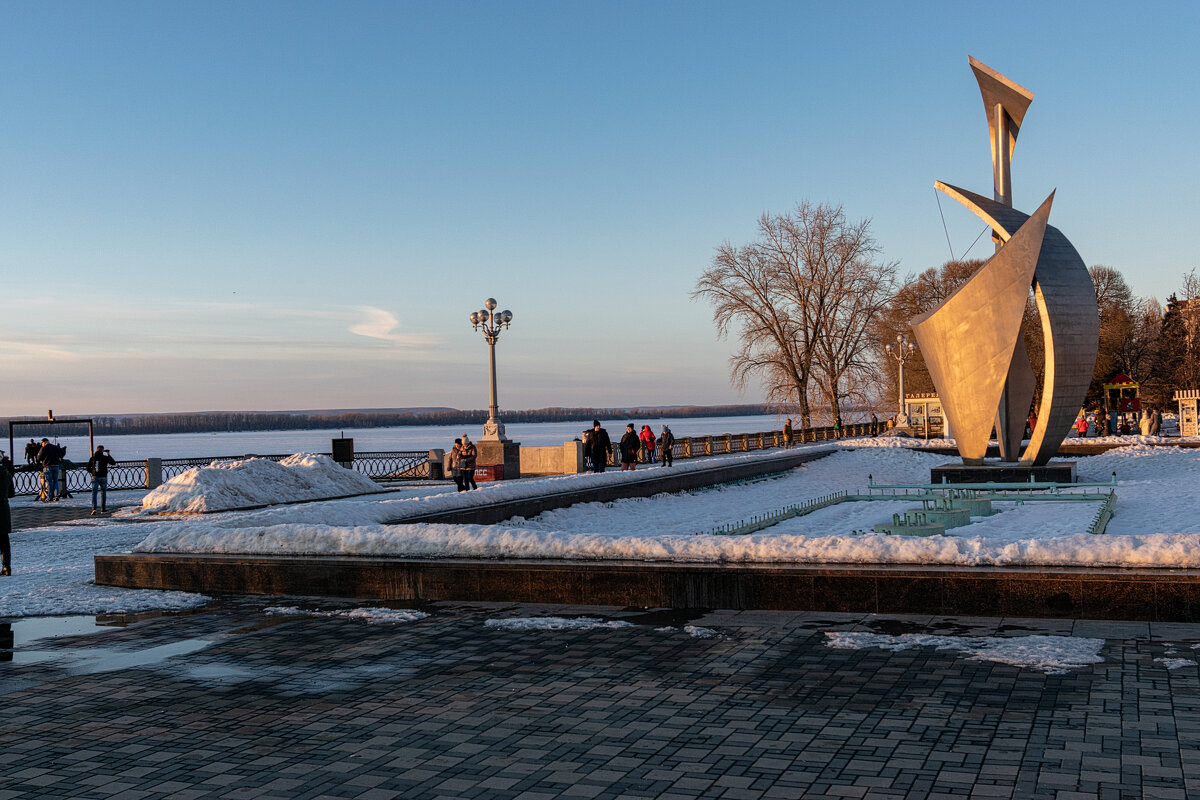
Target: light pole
(901,351)
(493,429)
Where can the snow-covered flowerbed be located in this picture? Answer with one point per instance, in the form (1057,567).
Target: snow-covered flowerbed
(256,482)
(1156,524)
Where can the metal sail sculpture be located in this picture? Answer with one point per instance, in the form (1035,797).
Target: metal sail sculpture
(972,342)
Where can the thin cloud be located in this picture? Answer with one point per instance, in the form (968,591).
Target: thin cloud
(379,324)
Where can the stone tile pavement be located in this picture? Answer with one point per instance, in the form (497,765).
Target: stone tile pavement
(230,702)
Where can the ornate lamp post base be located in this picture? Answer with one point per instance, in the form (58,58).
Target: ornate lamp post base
(493,430)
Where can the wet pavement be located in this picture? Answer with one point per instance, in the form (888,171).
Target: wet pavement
(233,702)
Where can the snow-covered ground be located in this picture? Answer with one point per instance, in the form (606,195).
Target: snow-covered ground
(1156,526)
(1159,488)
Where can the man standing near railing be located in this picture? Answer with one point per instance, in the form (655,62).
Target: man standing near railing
(50,457)
(98,466)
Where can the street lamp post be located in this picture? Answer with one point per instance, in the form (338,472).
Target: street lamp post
(492,322)
(901,351)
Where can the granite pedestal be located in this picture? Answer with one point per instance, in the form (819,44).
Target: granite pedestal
(1004,472)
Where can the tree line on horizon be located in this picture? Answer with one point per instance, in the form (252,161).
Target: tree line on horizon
(230,421)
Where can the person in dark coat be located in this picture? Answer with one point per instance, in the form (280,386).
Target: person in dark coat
(50,457)
(666,447)
(630,444)
(601,447)
(98,466)
(6,491)
(31,451)
(787,433)
(455,470)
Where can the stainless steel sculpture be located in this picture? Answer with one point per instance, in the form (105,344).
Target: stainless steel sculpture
(972,341)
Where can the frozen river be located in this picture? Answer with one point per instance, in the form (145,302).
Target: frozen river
(414,437)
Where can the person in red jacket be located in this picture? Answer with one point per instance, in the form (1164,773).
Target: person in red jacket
(647,437)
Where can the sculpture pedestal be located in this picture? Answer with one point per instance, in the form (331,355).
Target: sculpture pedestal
(504,455)
(1004,472)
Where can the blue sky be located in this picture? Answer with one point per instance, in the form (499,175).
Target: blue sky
(281,205)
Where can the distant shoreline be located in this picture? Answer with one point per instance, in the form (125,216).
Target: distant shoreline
(350,419)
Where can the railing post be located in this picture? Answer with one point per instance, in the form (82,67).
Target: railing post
(436,468)
(153,473)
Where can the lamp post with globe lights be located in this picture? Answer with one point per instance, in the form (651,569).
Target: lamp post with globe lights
(901,351)
(492,322)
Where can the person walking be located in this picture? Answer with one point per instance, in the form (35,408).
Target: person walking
(50,457)
(31,451)
(787,433)
(666,446)
(647,438)
(6,491)
(630,444)
(1081,426)
(601,447)
(587,451)
(467,456)
(455,469)
(98,466)
(874,424)
(837,427)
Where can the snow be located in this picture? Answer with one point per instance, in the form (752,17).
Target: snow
(53,570)
(366,614)
(1155,523)
(1054,655)
(553,624)
(254,482)
(1176,663)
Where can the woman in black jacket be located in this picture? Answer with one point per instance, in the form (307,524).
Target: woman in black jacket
(630,444)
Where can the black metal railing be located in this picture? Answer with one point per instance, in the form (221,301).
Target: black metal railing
(397,465)
(724,443)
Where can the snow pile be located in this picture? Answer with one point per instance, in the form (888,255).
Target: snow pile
(254,482)
(553,624)
(369,615)
(1054,655)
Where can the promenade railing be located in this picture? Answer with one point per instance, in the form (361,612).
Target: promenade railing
(410,465)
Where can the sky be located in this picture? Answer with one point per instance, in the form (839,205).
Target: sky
(296,205)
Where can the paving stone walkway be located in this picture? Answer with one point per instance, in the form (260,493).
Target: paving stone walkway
(231,702)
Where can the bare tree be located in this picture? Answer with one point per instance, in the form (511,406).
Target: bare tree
(803,299)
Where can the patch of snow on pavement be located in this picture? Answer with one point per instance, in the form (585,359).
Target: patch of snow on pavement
(1054,655)
(1176,663)
(370,615)
(553,624)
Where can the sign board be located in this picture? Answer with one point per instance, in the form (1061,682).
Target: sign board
(1188,417)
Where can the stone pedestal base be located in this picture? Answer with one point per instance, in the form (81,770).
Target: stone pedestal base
(504,453)
(1004,472)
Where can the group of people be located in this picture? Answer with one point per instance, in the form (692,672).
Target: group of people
(52,458)
(597,447)
(1149,422)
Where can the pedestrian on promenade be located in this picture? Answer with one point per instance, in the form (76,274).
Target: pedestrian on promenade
(50,457)
(601,447)
(666,446)
(630,444)
(837,427)
(98,466)
(647,438)
(1081,426)
(31,451)
(466,463)
(1031,423)
(874,424)
(787,433)
(6,491)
